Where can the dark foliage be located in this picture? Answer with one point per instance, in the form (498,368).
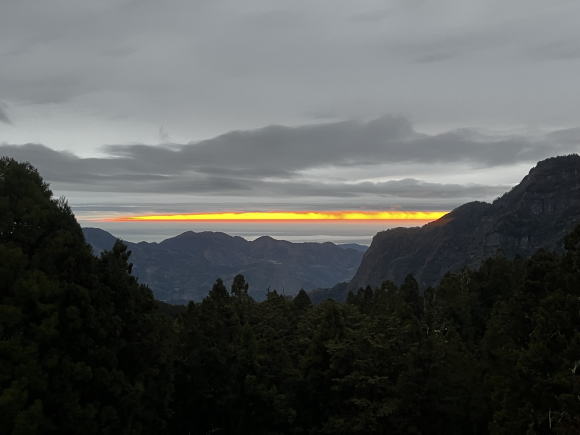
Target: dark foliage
(85,349)
(82,347)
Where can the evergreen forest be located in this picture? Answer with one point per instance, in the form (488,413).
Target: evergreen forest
(86,349)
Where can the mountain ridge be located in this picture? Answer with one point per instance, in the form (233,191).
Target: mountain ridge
(184,267)
(536,213)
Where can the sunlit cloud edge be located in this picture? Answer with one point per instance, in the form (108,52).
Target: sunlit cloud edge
(284,216)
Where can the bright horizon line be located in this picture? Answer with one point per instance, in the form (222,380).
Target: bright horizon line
(285,216)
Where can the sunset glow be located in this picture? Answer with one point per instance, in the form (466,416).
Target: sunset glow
(289,216)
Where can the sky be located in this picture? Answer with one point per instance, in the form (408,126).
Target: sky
(134,107)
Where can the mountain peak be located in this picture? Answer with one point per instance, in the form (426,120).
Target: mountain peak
(101,240)
(557,163)
(194,234)
(555,169)
(185,267)
(264,239)
(537,213)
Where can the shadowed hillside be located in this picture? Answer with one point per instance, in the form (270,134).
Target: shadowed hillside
(84,347)
(184,267)
(537,213)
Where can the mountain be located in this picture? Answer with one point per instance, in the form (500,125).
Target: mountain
(356,246)
(184,267)
(537,213)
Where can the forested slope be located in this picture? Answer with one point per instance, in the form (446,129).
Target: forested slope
(84,349)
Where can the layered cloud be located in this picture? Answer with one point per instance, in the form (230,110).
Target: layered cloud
(117,70)
(344,161)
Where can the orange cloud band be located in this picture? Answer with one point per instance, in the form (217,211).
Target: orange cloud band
(289,216)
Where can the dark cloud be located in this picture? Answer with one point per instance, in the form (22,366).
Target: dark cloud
(128,175)
(278,151)
(405,188)
(282,162)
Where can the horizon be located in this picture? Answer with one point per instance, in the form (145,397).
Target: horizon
(303,232)
(329,226)
(336,227)
(305,107)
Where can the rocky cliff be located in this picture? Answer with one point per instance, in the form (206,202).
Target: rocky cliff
(537,213)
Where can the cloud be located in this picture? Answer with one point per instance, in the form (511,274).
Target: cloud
(404,188)
(283,163)
(124,175)
(111,72)
(117,68)
(3,115)
(278,151)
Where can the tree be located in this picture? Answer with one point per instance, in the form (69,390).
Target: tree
(302,301)
(80,341)
(239,287)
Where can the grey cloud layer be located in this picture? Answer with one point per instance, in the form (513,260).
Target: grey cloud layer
(272,162)
(125,67)
(278,151)
(3,115)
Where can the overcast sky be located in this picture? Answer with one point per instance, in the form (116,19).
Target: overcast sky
(217,104)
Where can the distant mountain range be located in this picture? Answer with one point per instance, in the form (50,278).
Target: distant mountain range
(537,213)
(184,268)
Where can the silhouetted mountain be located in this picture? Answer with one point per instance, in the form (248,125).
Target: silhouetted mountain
(537,213)
(99,240)
(184,267)
(357,246)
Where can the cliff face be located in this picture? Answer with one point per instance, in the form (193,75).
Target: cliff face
(537,213)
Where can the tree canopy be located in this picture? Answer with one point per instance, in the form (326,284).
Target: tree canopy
(85,348)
